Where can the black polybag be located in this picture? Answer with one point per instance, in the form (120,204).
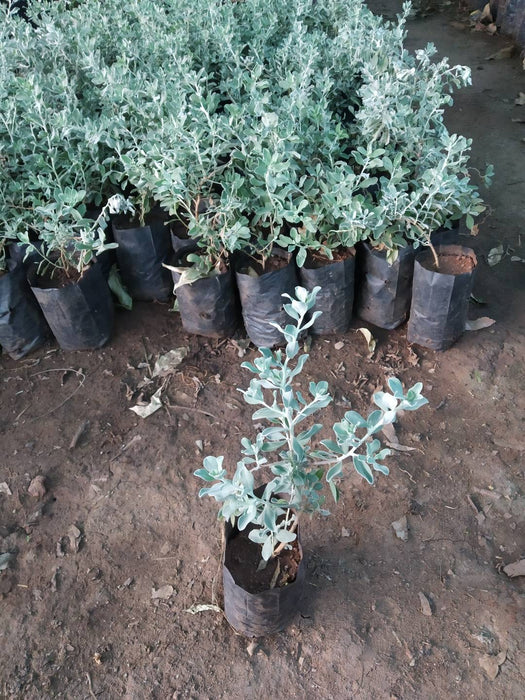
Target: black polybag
(446,236)
(260,614)
(336,296)
(140,254)
(209,306)
(79,314)
(23,328)
(262,302)
(384,290)
(438,314)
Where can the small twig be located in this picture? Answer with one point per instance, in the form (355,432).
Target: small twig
(21,414)
(59,369)
(134,439)
(78,434)
(275,574)
(408,474)
(189,408)
(436,259)
(90,686)
(146,357)
(219,567)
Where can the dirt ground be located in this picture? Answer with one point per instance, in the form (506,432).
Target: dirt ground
(77,615)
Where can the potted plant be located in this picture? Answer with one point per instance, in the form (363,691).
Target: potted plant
(72,291)
(204,281)
(336,217)
(263,522)
(269,167)
(22,325)
(423,180)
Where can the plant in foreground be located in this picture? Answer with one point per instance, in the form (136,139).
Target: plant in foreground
(298,468)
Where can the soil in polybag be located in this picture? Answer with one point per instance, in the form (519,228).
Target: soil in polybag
(261,293)
(80,314)
(140,254)
(251,606)
(23,327)
(336,298)
(440,297)
(209,306)
(383,290)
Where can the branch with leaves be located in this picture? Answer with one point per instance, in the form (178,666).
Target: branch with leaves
(298,468)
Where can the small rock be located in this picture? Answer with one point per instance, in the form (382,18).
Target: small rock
(401,528)
(252,648)
(517,568)
(345,532)
(54,579)
(491,664)
(37,487)
(5,560)
(162,593)
(4,488)
(127,583)
(74,536)
(199,444)
(59,549)
(339,346)
(426,608)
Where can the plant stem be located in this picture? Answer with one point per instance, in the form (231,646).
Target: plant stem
(280,548)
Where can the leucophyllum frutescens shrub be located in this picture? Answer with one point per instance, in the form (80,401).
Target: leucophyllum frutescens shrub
(284,452)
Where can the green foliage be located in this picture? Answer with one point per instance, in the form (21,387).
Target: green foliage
(298,468)
(298,123)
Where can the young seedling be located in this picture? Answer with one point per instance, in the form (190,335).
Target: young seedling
(284,449)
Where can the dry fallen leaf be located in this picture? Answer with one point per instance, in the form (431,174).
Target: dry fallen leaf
(517,568)
(37,487)
(392,440)
(507,52)
(516,258)
(495,255)
(401,528)
(202,608)
(486,13)
(426,608)
(492,28)
(4,488)
(162,593)
(491,664)
(370,340)
(5,559)
(167,363)
(145,410)
(479,323)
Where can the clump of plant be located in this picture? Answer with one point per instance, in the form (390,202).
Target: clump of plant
(285,451)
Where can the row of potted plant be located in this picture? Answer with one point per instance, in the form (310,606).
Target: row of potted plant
(282,473)
(289,125)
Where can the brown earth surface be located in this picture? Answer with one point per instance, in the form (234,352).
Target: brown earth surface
(100,610)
